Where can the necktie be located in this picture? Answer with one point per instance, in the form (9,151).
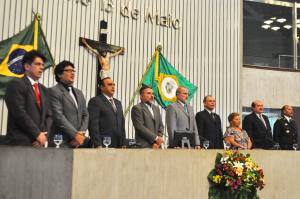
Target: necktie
(186,109)
(37,94)
(212,115)
(262,119)
(73,96)
(149,106)
(113,104)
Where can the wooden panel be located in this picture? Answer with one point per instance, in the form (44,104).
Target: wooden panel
(205,49)
(172,174)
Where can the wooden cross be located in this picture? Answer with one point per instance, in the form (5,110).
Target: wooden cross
(101,48)
(101,45)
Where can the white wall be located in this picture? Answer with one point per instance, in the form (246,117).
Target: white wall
(274,88)
(205,49)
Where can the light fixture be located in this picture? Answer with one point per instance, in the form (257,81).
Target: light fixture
(265,26)
(268,21)
(273,18)
(298,21)
(275,28)
(281,20)
(298,25)
(287,26)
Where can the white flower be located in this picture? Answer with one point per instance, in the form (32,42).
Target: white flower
(224,159)
(238,165)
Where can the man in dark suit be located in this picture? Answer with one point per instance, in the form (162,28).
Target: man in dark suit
(209,124)
(285,129)
(147,120)
(106,116)
(70,115)
(258,127)
(27,103)
(180,116)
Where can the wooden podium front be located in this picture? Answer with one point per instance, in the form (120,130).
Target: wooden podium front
(131,173)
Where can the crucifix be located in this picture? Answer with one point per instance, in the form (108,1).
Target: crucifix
(103,51)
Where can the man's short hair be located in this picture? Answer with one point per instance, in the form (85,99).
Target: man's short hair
(282,109)
(102,81)
(59,69)
(205,98)
(31,55)
(253,104)
(179,88)
(144,87)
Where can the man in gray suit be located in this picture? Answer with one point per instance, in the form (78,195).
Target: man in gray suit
(180,116)
(70,115)
(147,120)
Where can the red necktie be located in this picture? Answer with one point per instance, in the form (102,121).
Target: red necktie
(37,94)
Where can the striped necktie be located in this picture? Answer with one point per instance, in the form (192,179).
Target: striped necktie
(113,104)
(262,120)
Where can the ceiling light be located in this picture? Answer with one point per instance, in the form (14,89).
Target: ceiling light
(287,26)
(281,20)
(273,18)
(268,21)
(298,21)
(265,26)
(275,28)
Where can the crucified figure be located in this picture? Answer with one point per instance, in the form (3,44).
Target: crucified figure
(103,58)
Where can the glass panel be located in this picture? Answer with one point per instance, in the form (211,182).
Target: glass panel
(268,35)
(272,113)
(298,33)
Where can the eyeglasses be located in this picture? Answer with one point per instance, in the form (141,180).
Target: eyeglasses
(70,71)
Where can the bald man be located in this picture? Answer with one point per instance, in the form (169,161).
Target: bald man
(258,126)
(285,129)
(209,124)
(180,116)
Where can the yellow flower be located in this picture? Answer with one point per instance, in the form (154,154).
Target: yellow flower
(249,165)
(238,171)
(228,152)
(217,179)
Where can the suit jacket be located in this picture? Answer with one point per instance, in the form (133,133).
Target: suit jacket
(67,118)
(260,135)
(178,119)
(210,128)
(105,122)
(25,119)
(285,133)
(146,127)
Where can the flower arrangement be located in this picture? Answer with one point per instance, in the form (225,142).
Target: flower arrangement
(235,176)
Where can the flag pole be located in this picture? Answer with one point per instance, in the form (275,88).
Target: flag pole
(158,48)
(37,20)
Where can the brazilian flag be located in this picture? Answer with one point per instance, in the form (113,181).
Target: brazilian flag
(13,49)
(164,80)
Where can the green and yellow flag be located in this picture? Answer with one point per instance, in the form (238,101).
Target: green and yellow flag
(13,49)
(164,80)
